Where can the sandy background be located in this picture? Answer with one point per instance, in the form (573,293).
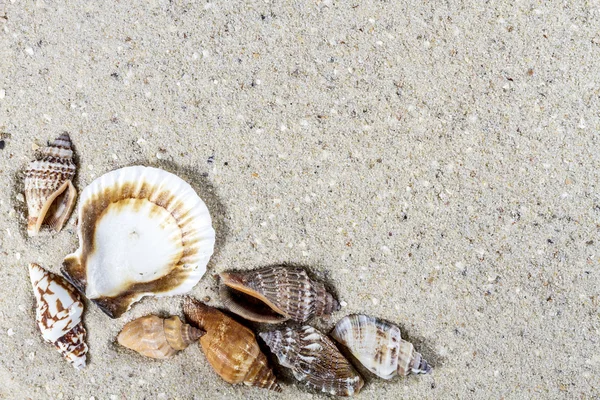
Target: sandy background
(436,162)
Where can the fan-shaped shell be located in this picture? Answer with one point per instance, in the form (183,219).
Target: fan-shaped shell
(378,346)
(58,314)
(276,294)
(49,193)
(157,337)
(142,231)
(230,347)
(314,359)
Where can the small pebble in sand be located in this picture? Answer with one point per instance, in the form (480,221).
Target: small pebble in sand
(29,51)
(2,93)
(35,146)
(343,303)
(31,356)
(20,197)
(159,155)
(2,144)
(206,299)
(90,167)
(114,156)
(10,332)
(375,301)
(18,256)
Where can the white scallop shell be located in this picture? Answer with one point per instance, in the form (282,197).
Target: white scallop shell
(58,314)
(142,231)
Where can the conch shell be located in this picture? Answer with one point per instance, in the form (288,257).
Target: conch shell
(230,347)
(313,358)
(142,232)
(49,193)
(156,337)
(276,294)
(58,314)
(378,346)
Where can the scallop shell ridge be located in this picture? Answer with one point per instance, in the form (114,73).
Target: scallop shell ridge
(142,231)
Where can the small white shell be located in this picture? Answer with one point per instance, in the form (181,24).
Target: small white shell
(58,314)
(142,231)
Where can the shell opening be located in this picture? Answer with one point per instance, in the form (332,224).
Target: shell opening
(249,307)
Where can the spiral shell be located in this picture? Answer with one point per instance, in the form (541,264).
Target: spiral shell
(230,348)
(58,314)
(276,294)
(378,346)
(157,337)
(49,193)
(314,358)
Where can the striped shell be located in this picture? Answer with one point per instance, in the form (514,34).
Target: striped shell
(49,193)
(58,314)
(276,294)
(142,232)
(378,346)
(157,337)
(230,348)
(314,359)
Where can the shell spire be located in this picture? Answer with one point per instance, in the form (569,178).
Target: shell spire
(230,347)
(156,337)
(314,359)
(378,346)
(49,190)
(58,314)
(277,294)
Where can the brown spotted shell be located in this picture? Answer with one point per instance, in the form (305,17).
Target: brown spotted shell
(314,359)
(378,346)
(276,294)
(49,193)
(230,347)
(157,337)
(142,232)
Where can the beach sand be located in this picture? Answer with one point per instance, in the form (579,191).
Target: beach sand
(436,163)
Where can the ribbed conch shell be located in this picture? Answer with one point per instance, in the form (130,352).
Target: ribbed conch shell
(58,314)
(378,346)
(276,294)
(49,193)
(230,348)
(314,359)
(157,337)
(142,231)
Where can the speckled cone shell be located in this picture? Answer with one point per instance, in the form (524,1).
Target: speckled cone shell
(288,292)
(314,359)
(157,337)
(49,193)
(58,314)
(378,346)
(230,348)
(142,231)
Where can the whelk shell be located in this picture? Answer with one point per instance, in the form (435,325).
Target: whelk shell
(157,337)
(314,358)
(58,314)
(142,231)
(49,193)
(230,348)
(378,346)
(276,294)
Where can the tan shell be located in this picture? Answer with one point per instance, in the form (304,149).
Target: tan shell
(142,232)
(314,359)
(58,314)
(156,337)
(276,294)
(49,193)
(378,346)
(230,348)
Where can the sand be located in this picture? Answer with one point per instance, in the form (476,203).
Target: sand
(435,162)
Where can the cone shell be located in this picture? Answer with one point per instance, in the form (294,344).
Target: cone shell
(142,231)
(378,346)
(49,193)
(314,359)
(157,337)
(58,314)
(282,293)
(230,348)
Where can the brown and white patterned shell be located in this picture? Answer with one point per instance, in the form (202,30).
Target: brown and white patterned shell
(378,346)
(58,314)
(157,337)
(314,359)
(276,294)
(49,192)
(230,347)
